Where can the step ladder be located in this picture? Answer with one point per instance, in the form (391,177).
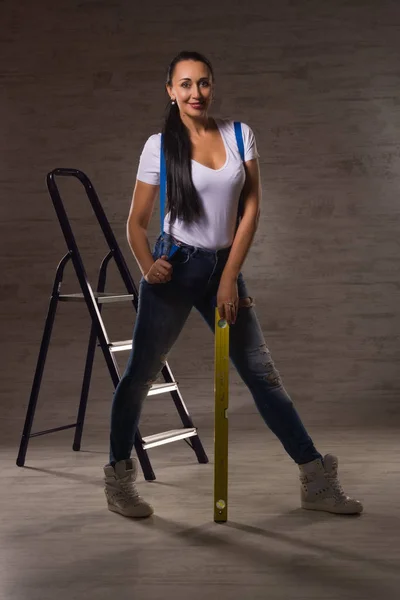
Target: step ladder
(95,300)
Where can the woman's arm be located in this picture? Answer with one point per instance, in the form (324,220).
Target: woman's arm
(249,222)
(138,221)
(227,297)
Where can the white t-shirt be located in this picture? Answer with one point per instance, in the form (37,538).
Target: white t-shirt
(218,189)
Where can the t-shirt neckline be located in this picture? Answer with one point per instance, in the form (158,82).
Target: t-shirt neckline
(226,152)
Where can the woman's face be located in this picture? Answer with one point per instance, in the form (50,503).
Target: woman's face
(191,88)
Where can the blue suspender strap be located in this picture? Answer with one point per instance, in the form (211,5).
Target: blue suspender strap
(169,251)
(240,144)
(163,184)
(239,138)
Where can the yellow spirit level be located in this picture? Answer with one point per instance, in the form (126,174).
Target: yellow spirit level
(221,392)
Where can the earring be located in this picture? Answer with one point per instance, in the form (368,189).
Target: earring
(173,101)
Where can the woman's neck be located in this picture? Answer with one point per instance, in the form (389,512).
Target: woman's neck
(198,127)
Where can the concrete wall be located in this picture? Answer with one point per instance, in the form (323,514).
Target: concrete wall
(82,85)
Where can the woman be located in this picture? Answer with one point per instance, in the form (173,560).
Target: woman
(205,178)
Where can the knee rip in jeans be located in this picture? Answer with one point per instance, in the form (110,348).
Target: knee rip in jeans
(246,302)
(272,374)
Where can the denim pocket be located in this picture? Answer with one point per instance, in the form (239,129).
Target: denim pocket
(156,253)
(181,256)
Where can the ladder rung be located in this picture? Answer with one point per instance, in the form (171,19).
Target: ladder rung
(162,388)
(102,297)
(54,429)
(120,346)
(166,437)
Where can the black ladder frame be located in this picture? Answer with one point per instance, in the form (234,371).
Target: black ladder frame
(98,334)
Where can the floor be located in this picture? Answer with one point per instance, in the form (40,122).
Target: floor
(59,540)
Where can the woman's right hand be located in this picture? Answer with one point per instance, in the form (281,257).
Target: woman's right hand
(160,271)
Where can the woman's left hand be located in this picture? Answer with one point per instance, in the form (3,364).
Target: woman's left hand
(228,299)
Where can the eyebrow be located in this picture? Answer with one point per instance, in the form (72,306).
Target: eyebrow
(189,79)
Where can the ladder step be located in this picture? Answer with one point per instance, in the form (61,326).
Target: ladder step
(120,346)
(102,297)
(162,388)
(166,437)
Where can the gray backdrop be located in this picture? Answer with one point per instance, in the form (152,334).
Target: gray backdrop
(82,85)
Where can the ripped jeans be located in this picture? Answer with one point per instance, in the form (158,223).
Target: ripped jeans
(162,312)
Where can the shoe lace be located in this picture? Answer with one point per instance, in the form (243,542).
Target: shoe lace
(336,485)
(129,488)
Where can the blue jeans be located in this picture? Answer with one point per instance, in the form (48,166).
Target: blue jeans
(162,312)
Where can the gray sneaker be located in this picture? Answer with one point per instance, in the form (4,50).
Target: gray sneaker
(120,490)
(321,489)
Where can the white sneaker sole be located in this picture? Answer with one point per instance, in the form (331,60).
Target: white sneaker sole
(121,511)
(338,510)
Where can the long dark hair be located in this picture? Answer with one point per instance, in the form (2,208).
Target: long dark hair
(182,199)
